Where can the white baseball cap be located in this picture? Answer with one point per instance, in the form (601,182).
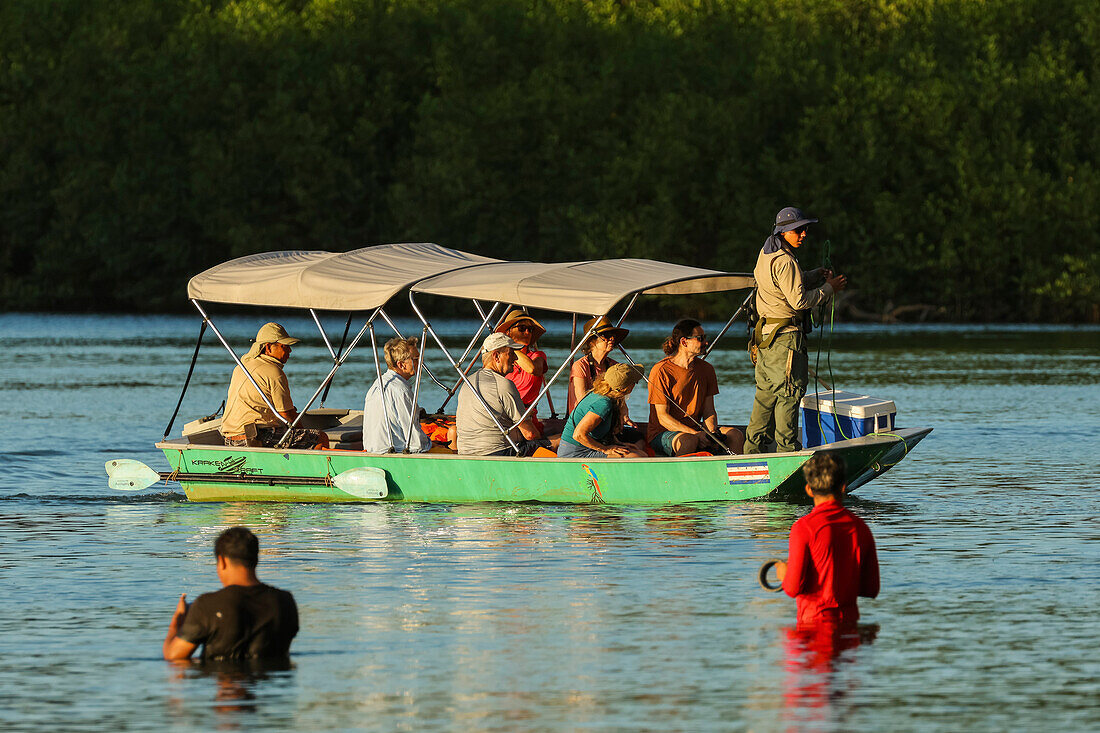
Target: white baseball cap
(496,341)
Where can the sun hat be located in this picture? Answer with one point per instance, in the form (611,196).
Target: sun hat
(270,333)
(496,341)
(605,329)
(790,218)
(623,376)
(520,315)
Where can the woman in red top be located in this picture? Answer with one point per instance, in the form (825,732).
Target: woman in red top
(530,367)
(832,557)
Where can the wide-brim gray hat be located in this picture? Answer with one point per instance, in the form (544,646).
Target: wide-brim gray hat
(791,218)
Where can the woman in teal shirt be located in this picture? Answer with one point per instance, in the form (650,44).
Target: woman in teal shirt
(589,432)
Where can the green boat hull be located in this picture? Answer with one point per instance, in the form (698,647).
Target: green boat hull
(265,474)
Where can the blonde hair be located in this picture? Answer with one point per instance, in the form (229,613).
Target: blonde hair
(398,350)
(617,396)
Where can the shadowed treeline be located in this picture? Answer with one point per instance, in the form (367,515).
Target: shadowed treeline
(949,147)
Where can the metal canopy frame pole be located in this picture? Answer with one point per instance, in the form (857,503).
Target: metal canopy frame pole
(393,326)
(239,362)
(729,323)
(462,376)
(381,389)
(339,350)
(567,362)
(416,394)
(573,333)
(324,336)
(339,362)
(626,311)
(473,341)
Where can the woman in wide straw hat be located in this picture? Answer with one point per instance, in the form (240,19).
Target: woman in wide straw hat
(530,367)
(596,359)
(592,427)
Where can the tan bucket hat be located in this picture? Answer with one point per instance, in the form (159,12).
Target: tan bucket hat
(272,333)
(605,329)
(622,377)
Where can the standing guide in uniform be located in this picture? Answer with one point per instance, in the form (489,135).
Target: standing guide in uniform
(244,620)
(783,303)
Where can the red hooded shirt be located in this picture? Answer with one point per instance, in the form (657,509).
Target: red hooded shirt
(832,560)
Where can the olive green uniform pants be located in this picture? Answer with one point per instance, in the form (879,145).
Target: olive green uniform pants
(781,378)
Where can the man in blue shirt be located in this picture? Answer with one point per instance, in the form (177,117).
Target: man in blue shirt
(388,410)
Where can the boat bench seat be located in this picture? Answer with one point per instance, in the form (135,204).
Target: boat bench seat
(348,432)
(344,428)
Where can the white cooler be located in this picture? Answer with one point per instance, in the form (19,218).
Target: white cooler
(831,416)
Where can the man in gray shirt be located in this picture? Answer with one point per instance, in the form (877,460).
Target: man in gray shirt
(478,432)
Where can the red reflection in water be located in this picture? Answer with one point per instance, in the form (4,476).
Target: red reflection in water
(815,654)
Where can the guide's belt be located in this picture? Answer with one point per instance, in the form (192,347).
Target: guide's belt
(758,337)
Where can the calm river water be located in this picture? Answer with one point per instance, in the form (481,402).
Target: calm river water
(528,617)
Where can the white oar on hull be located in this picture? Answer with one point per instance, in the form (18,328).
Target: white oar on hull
(365,482)
(125,474)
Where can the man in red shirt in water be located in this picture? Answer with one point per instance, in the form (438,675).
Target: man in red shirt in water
(832,557)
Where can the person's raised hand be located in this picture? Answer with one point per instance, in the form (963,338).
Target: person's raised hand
(838,283)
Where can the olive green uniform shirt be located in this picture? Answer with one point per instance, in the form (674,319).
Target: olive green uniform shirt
(781,290)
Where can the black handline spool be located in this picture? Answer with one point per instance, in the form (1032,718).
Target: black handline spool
(763,577)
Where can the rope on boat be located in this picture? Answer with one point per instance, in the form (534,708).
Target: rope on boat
(190,371)
(905,450)
(827,263)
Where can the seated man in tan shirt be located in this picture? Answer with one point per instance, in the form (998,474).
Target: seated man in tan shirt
(249,420)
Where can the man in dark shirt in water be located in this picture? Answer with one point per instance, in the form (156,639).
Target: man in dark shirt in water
(245,619)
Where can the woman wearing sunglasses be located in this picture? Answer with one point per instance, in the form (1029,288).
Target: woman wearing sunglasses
(596,360)
(530,367)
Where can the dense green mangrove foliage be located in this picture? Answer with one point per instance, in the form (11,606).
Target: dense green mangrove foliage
(949,146)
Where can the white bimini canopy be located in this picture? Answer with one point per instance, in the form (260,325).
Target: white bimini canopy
(362,279)
(593,286)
